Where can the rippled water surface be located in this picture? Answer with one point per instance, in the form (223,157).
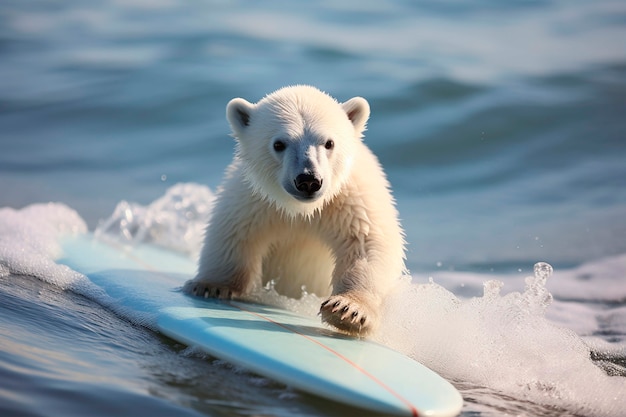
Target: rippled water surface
(500,125)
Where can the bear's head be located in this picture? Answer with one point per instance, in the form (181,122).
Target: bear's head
(297,145)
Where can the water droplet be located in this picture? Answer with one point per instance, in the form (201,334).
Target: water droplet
(543,270)
(164,177)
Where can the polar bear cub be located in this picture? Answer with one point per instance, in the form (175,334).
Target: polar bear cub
(304,202)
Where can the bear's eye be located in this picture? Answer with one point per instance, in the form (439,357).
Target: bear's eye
(279,146)
(329,144)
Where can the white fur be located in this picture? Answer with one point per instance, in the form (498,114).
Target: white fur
(344,240)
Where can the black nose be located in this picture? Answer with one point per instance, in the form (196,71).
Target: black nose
(307,183)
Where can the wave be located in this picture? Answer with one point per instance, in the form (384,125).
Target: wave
(518,344)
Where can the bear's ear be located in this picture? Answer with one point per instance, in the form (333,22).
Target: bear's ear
(238,113)
(358,111)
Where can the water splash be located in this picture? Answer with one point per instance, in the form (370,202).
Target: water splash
(536,297)
(175,221)
(502,341)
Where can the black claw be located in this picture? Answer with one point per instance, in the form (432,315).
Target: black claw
(337,304)
(195,290)
(363,321)
(345,309)
(324,304)
(217,292)
(356,313)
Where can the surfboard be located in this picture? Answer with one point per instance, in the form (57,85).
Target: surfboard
(299,351)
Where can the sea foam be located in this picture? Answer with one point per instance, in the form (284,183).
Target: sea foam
(29,242)
(503,342)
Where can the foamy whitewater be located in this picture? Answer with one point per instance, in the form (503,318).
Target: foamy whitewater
(496,342)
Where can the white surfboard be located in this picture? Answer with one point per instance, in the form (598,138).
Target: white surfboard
(295,350)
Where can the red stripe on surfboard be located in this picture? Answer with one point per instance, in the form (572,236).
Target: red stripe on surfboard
(410,406)
(337,354)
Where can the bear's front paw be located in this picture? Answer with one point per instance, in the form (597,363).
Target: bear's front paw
(347,315)
(207,290)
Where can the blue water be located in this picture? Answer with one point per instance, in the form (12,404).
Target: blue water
(500,125)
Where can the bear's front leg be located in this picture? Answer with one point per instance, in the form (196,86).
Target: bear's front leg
(231,257)
(353,307)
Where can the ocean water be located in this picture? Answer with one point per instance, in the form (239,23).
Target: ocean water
(501,128)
